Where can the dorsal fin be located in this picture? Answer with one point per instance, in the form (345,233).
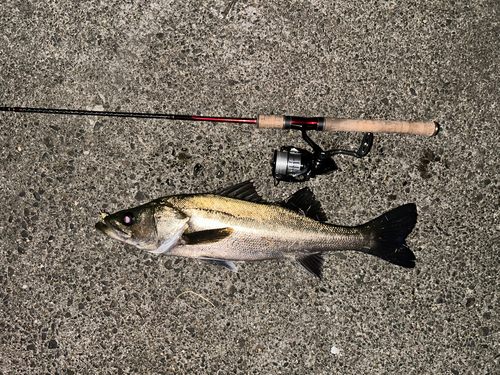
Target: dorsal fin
(243,191)
(304,202)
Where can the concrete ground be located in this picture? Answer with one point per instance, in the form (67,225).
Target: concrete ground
(75,302)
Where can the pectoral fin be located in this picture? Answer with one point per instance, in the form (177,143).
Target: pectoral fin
(204,237)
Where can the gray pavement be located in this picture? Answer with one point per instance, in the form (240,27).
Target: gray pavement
(75,302)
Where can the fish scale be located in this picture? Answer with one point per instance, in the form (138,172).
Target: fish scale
(269,226)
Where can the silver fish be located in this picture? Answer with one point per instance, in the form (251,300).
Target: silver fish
(235,224)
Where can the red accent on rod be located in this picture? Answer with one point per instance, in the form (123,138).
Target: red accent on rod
(305,122)
(219,119)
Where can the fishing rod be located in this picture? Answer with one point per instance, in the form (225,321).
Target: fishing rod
(427,128)
(290,164)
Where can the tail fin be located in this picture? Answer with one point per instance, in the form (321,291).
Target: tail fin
(390,231)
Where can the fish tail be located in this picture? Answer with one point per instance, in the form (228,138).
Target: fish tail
(389,234)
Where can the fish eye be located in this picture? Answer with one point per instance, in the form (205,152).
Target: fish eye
(128,218)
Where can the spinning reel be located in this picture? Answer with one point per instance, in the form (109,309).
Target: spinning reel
(293,164)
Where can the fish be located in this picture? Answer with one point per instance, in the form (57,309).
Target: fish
(235,224)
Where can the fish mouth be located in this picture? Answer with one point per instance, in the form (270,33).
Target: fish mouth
(112,231)
(102,227)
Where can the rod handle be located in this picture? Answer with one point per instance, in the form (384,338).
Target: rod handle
(427,128)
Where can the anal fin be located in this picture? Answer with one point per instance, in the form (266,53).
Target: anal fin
(312,263)
(209,236)
(229,264)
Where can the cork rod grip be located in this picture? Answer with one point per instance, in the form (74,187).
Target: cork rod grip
(270,122)
(427,128)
